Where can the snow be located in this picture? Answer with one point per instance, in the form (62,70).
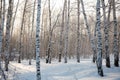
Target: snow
(85,70)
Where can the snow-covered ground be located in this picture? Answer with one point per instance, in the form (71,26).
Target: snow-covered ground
(85,70)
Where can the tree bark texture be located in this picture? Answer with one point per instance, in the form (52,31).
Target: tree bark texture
(99,40)
(38,75)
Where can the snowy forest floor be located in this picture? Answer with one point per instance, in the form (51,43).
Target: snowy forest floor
(85,70)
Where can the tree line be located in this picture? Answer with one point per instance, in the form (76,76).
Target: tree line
(35,29)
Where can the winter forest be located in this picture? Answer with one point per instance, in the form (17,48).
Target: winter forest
(59,39)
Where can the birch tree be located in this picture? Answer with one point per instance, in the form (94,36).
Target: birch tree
(48,59)
(51,29)
(92,41)
(94,46)
(1,32)
(61,32)
(31,35)
(78,31)
(115,43)
(67,18)
(21,32)
(119,39)
(12,26)
(3,14)
(99,40)
(29,40)
(106,34)
(2,25)
(7,37)
(65,34)
(38,40)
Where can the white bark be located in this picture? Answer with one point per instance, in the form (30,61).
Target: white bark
(38,40)
(7,37)
(99,41)
(2,25)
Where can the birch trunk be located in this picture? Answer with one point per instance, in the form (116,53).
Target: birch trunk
(1,32)
(67,14)
(12,27)
(115,45)
(3,15)
(106,35)
(38,40)
(29,40)
(119,40)
(31,35)
(99,41)
(78,31)
(92,42)
(2,24)
(50,35)
(7,37)
(61,33)
(48,59)
(21,33)
(109,11)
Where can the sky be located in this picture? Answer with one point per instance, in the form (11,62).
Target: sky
(59,3)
